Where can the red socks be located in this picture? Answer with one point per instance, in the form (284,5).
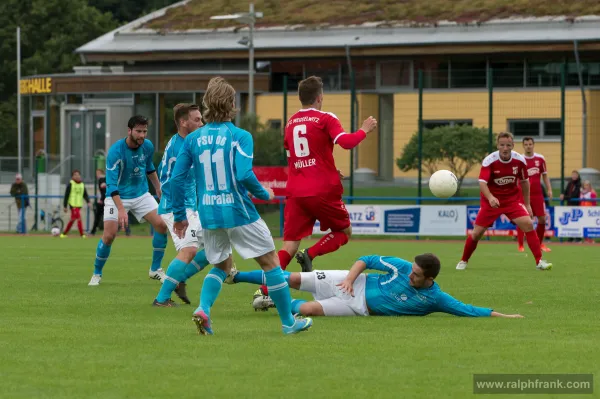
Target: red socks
(520,237)
(284,260)
(470,246)
(541,231)
(329,243)
(534,245)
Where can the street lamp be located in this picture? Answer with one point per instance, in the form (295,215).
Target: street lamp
(248,18)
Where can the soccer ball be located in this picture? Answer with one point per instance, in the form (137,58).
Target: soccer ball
(55,231)
(443,184)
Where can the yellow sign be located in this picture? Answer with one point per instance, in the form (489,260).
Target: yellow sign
(36,86)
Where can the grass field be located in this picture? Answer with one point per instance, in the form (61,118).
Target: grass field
(60,338)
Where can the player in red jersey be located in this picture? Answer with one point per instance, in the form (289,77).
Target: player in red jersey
(498,182)
(314,190)
(536,169)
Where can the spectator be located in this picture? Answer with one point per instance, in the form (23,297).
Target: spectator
(571,194)
(75,194)
(20,192)
(99,211)
(588,198)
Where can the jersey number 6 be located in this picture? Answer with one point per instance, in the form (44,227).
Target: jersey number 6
(300,143)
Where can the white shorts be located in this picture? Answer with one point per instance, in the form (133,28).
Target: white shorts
(140,207)
(250,241)
(193,234)
(335,302)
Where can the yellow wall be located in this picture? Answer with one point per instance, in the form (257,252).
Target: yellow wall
(507,105)
(368,150)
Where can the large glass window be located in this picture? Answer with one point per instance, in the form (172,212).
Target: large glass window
(145,104)
(294,70)
(468,74)
(365,75)
(539,128)
(53,139)
(328,71)
(435,73)
(395,73)
(508,73)
(543,73)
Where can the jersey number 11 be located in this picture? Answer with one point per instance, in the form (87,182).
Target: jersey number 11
(219,160)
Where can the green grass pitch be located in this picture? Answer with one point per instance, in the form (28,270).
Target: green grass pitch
(60,338)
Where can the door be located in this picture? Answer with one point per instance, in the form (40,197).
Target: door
(87,131)
(77,141)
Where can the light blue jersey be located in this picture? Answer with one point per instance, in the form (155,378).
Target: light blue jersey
(126,169)
(165,170)
(391,294)
(221,155)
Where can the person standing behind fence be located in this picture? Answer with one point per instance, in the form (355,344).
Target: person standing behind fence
(571,194)
(75,193)
(20,192)
(588,198)
(101,178)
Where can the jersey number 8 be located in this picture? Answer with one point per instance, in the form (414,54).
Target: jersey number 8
(300,143)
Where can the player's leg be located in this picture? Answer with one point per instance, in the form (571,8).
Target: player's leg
(333,215)
(285,255)
(255,241)
(188,261)
(146,207)
(520,216)
(538,206)
(520,239)
(72,220)
(109,233)
(485,218)
(218,253)
(79,222)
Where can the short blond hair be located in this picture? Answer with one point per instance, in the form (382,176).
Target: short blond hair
(505,135)
(219,101)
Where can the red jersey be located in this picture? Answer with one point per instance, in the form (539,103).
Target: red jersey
(504,177)
(536,167)
(309,138)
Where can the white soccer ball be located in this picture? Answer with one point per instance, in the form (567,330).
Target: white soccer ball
(443,184)
(55,231)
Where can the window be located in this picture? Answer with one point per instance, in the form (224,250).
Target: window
(467,74)
(294,70)
(365,74)
(328,71)
(544,128)
(508,73)
(543,74)
(395,73)
(167,127)
(435,74)
(145,104)
(274,124)
(432,124)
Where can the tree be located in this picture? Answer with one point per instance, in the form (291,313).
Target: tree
(50,31)
(268,142)
(459,148)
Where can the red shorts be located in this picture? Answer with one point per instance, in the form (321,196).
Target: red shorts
(538,206)
(75,213)
(488,215)
(301,213)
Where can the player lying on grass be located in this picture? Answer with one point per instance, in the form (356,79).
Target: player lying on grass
(405,289)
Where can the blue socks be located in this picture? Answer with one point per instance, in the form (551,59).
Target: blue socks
(210,289)
(256,277)
(102,253)
(197,265)
(296,303)
(159,243)
(279,291)
(175,274)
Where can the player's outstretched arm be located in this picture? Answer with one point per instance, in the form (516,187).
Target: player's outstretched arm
(448,304)
(243,164)
(508,316)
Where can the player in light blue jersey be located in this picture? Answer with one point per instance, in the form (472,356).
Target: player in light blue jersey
(221,156)
(189,260)
(128,162)
(404,289)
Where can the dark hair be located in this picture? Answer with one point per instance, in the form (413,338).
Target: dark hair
(137,120)
(309,89)
(75,171)
(429,263)
(527,138)
(182,111)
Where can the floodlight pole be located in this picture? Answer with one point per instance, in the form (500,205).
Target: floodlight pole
(251,109)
